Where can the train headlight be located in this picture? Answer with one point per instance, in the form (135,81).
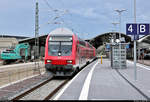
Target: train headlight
(69,61)
(49,61)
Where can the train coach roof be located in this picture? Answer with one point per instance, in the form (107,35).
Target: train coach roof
(61,32)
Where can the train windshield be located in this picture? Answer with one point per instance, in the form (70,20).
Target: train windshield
(60,48)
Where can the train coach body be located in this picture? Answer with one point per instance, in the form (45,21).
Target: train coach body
(65,53)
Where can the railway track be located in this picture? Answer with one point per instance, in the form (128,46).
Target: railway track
(43,91)
(136,88)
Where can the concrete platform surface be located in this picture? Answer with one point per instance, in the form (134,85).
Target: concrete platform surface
(100,82)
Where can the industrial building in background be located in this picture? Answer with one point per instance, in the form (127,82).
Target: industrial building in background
(9,42)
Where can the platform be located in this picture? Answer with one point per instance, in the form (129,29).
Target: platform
(100,82)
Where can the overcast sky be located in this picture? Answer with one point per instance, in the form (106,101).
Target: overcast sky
(88,18)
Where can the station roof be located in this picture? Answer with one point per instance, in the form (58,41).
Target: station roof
(31,41)
(103,38)
(96,41)
(144,42)
(145,39)
(10,36)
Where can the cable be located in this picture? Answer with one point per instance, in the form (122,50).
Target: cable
(48,4)
(58,16)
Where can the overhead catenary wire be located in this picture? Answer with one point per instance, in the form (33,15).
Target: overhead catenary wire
(48,4)
(58,18)
(58,14)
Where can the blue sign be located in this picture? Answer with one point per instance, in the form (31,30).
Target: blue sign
(108,46)
(143,29)
(127,46)
(137,29)
(131,29)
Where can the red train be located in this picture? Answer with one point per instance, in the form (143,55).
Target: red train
(65,53)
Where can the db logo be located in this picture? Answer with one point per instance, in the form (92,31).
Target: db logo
(59,57)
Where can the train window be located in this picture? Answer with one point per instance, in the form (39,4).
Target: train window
(90,46)
(66,48)
(53,48)
(62,47)
(78,48)
(60,38)
(82,43)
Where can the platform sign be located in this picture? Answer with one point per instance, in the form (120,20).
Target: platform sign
(127,46)
(137,29)
(108,46)
(143,29)
(131,29)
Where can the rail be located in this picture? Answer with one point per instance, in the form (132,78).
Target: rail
(34,88)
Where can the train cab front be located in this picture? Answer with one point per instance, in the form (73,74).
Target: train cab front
(60,67)
(60,59)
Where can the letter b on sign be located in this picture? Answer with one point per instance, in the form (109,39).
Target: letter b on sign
(143,29)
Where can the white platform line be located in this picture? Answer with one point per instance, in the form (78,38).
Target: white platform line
(67,85)
(140,65)
(85,88)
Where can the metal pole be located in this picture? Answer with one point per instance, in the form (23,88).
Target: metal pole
(115,24)
(120,39)
(37,37)
(37,30)
(135,69)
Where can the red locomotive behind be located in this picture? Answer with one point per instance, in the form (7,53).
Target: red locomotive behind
(65,53)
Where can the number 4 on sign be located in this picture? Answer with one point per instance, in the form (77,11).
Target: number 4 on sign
(131,29)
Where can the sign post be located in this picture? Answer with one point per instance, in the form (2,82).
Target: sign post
(131,29)
(136,30)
